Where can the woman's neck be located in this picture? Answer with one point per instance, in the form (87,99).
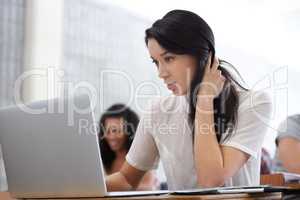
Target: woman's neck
(121,154)
(118,162)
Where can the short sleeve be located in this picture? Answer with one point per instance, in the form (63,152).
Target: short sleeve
(143,153)
(252,123)
(290,127)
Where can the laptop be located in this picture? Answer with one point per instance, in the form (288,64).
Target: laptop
(50,150)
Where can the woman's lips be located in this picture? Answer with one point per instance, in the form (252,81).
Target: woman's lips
(113,144)
(172,86)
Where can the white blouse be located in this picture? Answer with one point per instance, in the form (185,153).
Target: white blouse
(164,133)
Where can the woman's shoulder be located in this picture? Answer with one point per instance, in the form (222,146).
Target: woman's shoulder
(252,98)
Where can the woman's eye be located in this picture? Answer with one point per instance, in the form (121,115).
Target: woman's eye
(169,58)
(115,131)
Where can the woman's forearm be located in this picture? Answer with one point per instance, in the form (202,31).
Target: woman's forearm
(128,178)
(208,155)
(148,182)
(117,182)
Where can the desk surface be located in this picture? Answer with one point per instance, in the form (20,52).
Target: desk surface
(258,196)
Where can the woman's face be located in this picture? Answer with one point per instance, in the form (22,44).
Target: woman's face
(176,70)
(114,133)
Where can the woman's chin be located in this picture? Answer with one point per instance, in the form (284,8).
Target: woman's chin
(179,93)
(115,148)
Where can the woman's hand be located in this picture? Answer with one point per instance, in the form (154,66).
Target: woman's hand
(213,81)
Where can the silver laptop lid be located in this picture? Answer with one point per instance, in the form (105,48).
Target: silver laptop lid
(50,149)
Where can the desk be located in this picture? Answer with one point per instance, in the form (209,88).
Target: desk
(258,196)
(293,185)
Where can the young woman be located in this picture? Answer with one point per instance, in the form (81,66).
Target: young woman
(210,132)
(117,128)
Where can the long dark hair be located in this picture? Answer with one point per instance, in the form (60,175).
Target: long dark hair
(184,32)
(131,121)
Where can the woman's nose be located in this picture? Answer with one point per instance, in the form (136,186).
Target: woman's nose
(162,72)
(110,135)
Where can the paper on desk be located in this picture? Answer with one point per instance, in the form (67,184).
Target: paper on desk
(290,177)
(223,190)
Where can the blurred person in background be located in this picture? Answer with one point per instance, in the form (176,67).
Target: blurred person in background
(117,129)
(287,156)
